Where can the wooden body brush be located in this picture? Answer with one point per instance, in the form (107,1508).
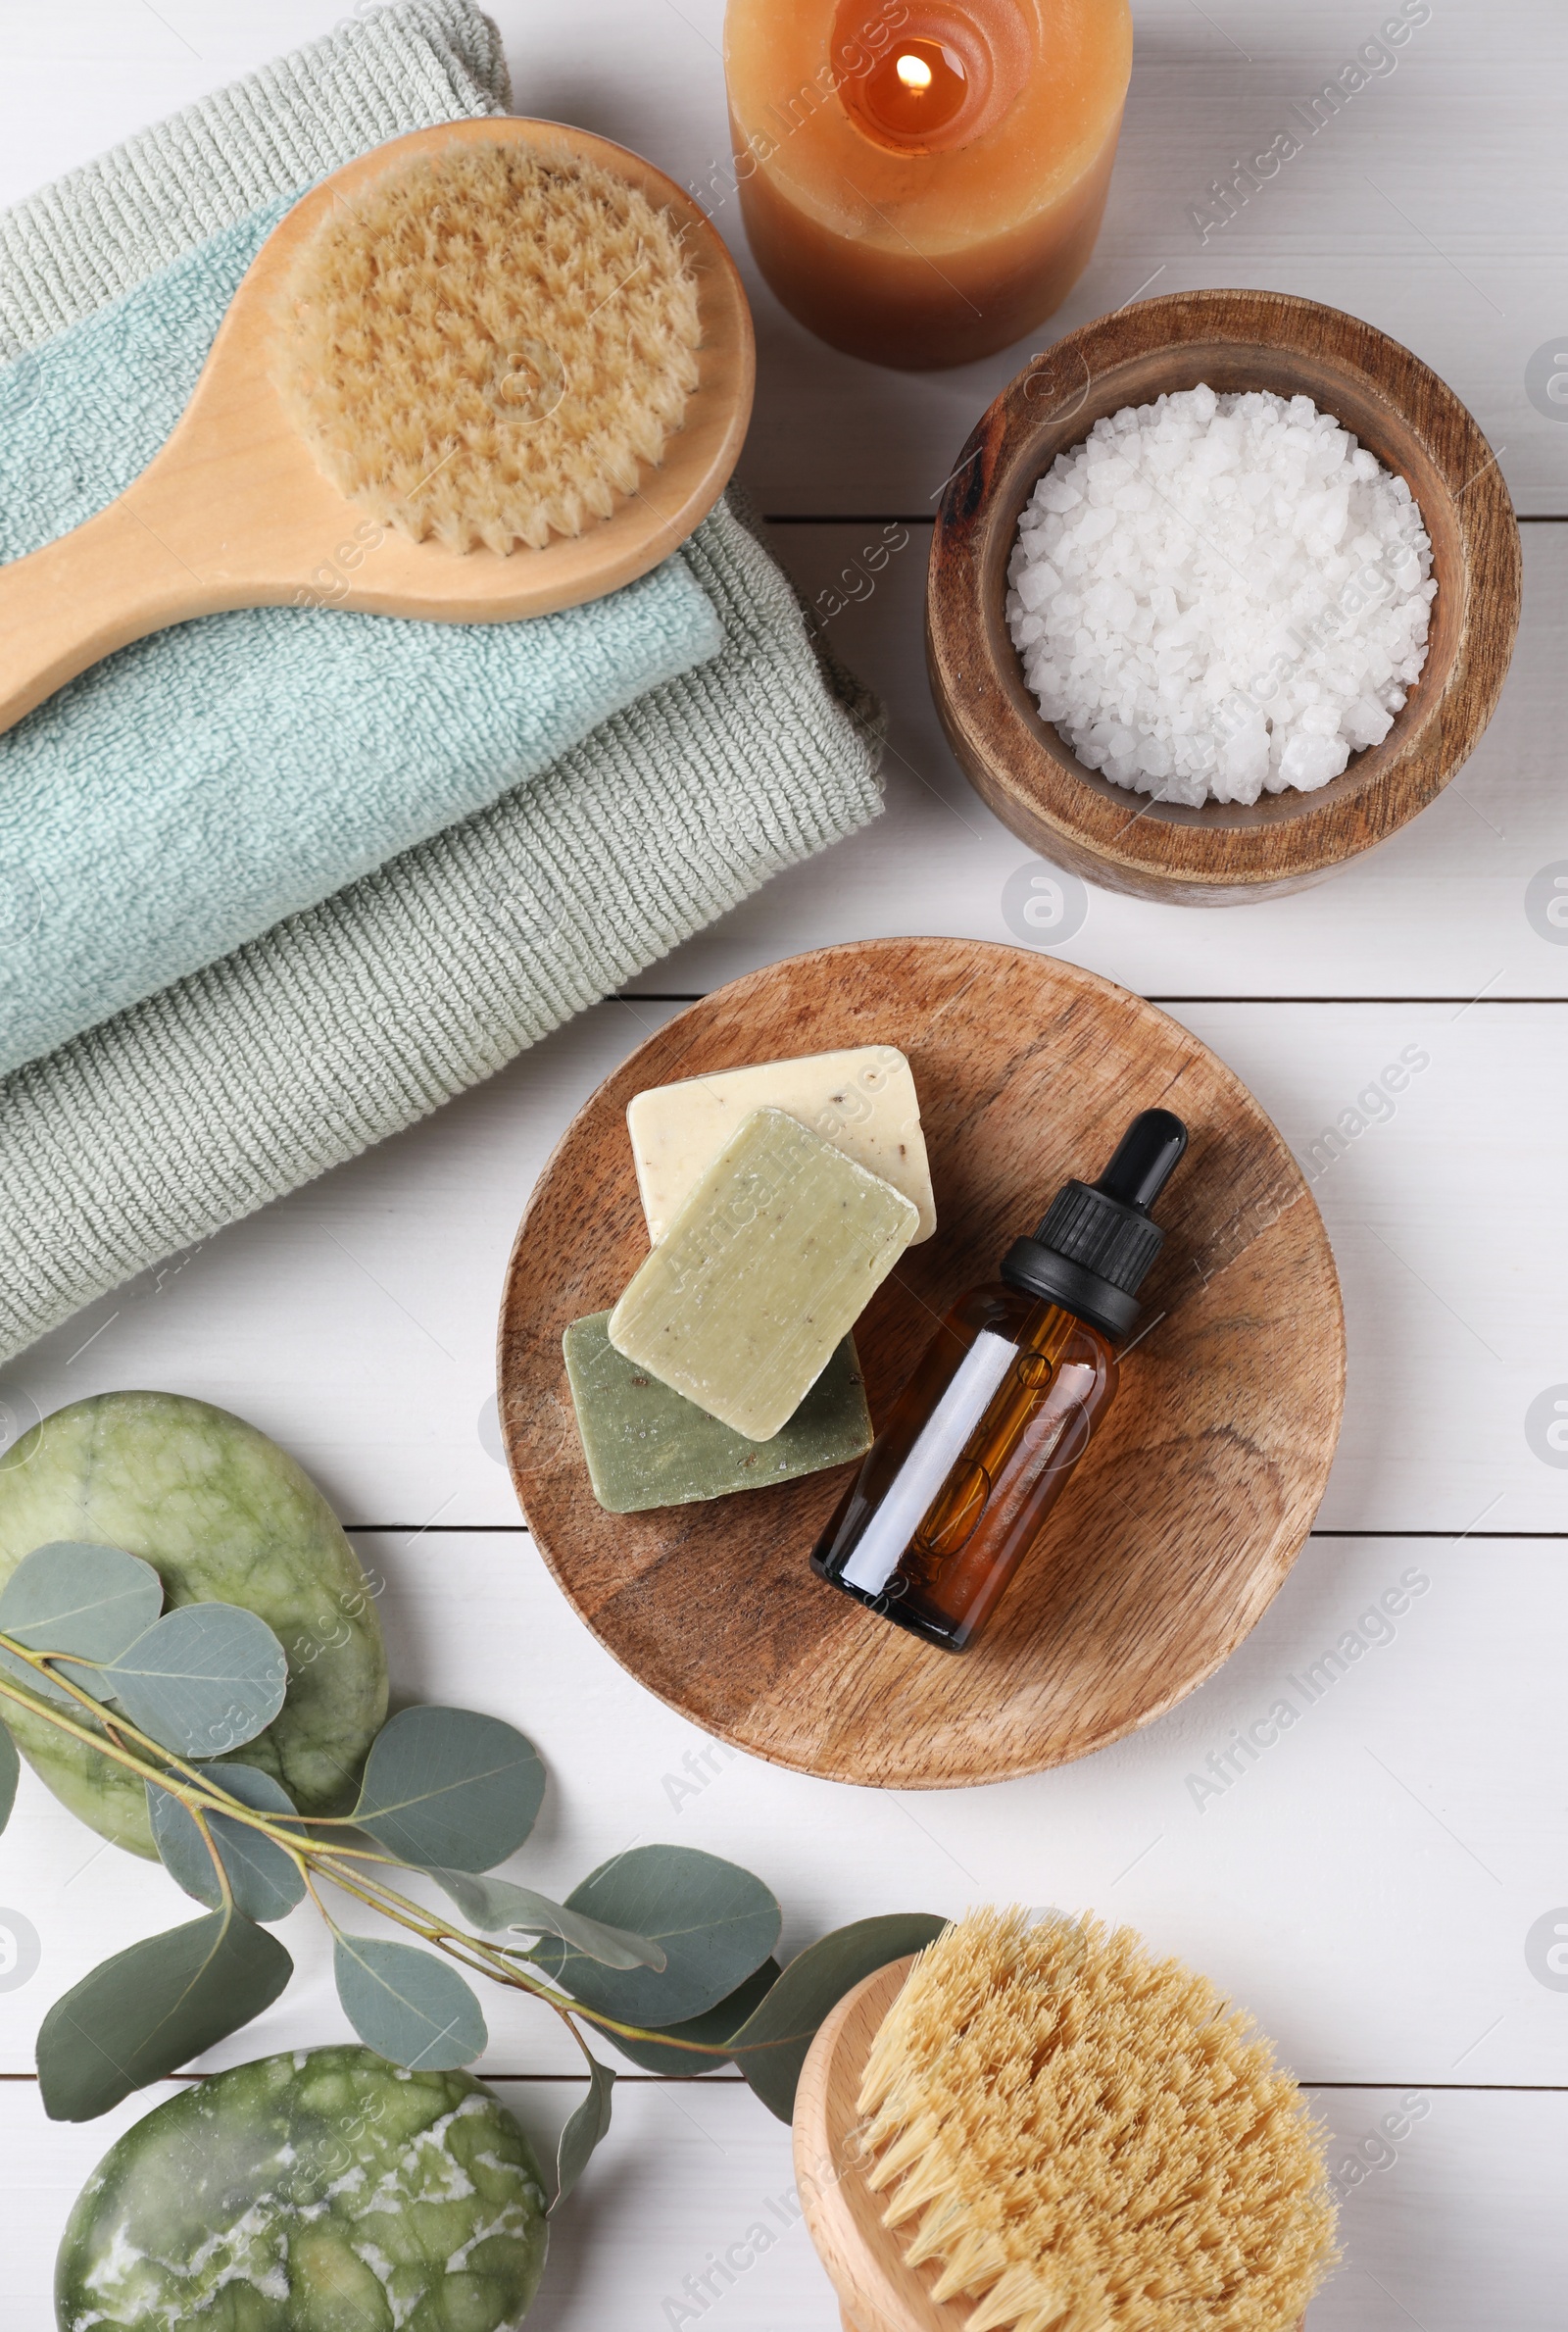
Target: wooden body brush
(402,372)
(1067,2136)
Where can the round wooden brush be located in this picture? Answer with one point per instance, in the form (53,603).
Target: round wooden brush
(489,370)
(490,343)
(1042,2128)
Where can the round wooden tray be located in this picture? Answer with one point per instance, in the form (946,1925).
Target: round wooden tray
(1178,1526)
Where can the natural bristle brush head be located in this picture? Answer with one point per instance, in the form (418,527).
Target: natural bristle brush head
(488,344)
(481,333)
(1082,2138)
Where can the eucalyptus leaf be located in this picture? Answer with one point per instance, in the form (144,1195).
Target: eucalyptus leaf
(203,1681)
(715,2027)
(494,1904)
(715,1922)
(223,1516)
(584,2128)
(149,2010)
(10,1774)
(447,1788)
(266,1883)
(407,2006)
(771,2046)
(70,1596)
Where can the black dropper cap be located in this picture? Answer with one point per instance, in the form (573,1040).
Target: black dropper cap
(1095,1244)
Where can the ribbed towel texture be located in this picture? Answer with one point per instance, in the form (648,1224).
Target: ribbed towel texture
(349,1019)
(188,793)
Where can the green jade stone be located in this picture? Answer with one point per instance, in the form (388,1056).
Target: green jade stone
(223,1516)
(325,2190)
(768,1265)
(646,1447)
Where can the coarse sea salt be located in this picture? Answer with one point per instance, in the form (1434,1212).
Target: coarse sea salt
(1217,596)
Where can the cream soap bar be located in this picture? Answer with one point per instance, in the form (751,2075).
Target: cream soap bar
(774,1255)
(646,1447)
(863,1100)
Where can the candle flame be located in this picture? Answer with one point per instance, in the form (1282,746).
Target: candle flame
(914,72)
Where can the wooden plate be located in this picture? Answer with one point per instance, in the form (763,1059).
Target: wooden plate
(1178,1526)
(1222,851)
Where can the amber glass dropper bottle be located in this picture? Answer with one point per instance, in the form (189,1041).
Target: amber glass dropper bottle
(953,1490)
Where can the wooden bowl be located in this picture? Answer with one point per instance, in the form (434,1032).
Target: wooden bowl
(864,2261)
(1223,851)
(1179,1524)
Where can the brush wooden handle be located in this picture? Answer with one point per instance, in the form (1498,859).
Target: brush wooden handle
(233,512)
(79,598)
(864,2263)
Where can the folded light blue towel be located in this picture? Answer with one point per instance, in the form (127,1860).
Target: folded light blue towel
(192,792)
(346,1022)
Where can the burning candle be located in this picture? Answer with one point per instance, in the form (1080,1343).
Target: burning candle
(923,180)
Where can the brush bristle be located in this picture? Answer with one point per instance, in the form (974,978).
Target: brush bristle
(1089,2139)
(488,344)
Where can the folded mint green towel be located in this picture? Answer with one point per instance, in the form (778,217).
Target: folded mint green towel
(183,797)
(147,1133)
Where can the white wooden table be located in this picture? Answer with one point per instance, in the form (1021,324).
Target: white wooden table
(1371,1887)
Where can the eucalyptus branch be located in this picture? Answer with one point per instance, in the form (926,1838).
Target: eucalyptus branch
(483,1959)
(668,1932)
(119,1723)
(38,1707)
(197,1795)
(224,1889)
(327,1920)
(202,1795)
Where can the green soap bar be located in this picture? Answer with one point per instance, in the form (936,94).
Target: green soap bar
(765,1269)
(646,1446)
(325,2190)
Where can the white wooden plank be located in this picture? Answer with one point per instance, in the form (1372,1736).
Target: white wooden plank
(82,74)
(1367,1884)
(1445,908)
(367,1303)
(355,1322)
(1372,216)
(1460,2230)
(1364,1881)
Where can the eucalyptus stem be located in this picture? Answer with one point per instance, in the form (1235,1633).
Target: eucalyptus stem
(120,1726)
(38,1707)
(224,1889)
(201,1795)
(493,1959)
